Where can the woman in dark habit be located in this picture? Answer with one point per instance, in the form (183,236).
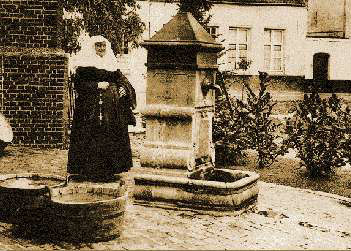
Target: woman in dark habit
(99,141)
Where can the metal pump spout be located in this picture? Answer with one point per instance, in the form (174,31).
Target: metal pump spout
(207,85)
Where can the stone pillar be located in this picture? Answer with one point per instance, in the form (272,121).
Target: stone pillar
(181,65)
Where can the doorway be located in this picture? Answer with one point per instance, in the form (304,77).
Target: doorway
(321,67)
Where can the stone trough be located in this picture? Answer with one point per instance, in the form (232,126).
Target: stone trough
(200,194)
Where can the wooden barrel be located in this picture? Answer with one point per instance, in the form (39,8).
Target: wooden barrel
(24,197)
(88,211)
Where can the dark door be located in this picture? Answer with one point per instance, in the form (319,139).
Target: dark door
(320,66)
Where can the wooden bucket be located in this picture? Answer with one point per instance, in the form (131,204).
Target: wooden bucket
(24,197)
(88,211)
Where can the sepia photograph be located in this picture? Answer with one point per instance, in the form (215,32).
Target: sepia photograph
(175,125)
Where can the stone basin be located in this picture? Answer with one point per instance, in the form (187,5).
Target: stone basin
(24,196)
(87,211)
(201,194)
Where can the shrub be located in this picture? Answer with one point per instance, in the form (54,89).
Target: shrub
(228,135)
(260,130)
(227,128)
(319,131)
(242,125)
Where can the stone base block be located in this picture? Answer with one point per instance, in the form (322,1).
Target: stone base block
(202,194)
(165,157)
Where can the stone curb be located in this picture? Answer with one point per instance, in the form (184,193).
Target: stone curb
(319,193)
(185,181)
(197,193)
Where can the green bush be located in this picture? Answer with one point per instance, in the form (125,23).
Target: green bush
(319,131)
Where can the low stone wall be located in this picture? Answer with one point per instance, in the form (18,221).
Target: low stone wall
(287,90)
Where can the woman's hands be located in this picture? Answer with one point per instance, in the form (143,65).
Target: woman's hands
(103,85)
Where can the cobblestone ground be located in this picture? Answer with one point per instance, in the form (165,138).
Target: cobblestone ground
(284,218)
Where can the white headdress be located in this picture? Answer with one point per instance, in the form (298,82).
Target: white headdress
(87,56)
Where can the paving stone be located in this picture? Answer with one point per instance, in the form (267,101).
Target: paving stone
(284,218)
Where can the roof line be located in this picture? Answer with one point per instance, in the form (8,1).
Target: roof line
(259,4)
(240,2)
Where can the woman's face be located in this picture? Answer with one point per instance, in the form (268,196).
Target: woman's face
(100,48)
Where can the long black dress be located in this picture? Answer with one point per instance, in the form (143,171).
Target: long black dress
(99,141)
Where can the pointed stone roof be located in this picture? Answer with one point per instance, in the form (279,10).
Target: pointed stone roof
(183,30)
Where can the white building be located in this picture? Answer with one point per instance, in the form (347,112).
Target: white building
(269,33)
(283,37)
(271,36)
(328,43)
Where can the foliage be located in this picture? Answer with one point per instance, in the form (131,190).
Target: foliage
(228,135)
(227,130)
(116,20)
(70,34)
(244,64)
(319,131)
(198,8)
(259,127)
(248,125)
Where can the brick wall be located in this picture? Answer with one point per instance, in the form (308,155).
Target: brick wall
(29,23)
(34,72)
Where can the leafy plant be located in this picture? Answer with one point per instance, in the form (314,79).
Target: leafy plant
(260,130)
(240,125)
(228,135)
(198,8)
(116,20)
(244,64)
(319,131)
(227,130)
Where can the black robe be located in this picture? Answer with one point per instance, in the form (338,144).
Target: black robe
(101,148)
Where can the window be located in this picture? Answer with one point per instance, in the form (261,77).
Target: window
(124,46)
(238,46)
(327,18)
(273,50)
(213,31)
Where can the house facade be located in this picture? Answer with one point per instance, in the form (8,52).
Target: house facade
(269,35)
(328,43)
(298,42)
